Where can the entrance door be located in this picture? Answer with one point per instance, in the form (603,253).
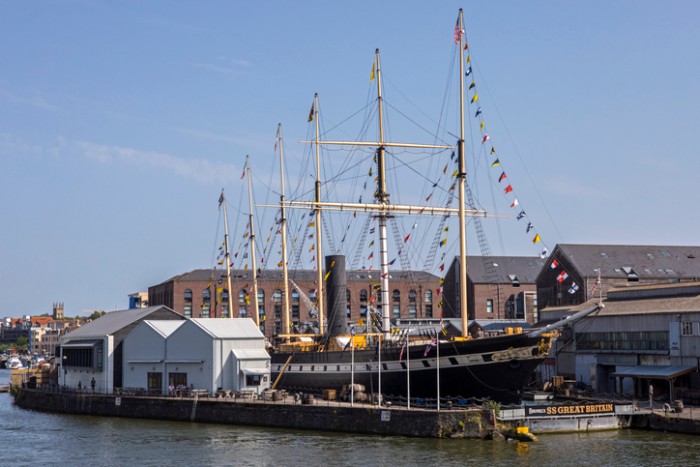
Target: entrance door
(155,383)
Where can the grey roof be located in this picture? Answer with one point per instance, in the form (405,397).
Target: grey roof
(655,372)
(111,322)
(235,328)
(298,275)
(648,261)
(525,268)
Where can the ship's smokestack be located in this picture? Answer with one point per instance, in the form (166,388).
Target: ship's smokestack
(336,295)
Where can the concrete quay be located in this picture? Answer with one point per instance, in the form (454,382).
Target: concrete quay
(687,421)
(287,413)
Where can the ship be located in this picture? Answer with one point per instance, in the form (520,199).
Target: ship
(379,358)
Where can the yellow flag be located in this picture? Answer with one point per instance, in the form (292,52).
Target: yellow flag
(325,278)
(536,239)
(374,67)
(481,127)
(469,58)
(311,113)
(474,99)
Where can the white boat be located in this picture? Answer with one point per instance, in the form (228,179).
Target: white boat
(13,363)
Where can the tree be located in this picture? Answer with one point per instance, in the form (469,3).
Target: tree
(96,314)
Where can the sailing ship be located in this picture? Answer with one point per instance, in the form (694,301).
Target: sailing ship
(383,361)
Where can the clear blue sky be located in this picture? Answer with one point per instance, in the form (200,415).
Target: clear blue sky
(121,121)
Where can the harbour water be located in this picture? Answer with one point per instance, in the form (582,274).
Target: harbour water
(32,438)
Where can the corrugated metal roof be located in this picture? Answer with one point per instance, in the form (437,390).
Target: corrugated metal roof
(648,261)
(111,322)
(499,324)
(655,372)
(251,354)
(234,328)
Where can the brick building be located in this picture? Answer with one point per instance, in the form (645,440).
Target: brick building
(498,287)
(203,293)
(571,272)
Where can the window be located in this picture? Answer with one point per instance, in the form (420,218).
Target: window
(489,305)
(632,275)
(689,328)
(277,303)
(206,310)
(515,282)
(243,302)
(428,299)
(188,295)
(206,295)
(396,300)
(252,380)
(347,301)
(261,303)
(188,311)
(295,304)
(412,304)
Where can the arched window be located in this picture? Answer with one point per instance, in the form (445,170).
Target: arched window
(347,301)
(428,303)
(224,295)
(412,305)
(363,302)
(261,303)
(243,301)
(277,303)
(206,295)
(206,303)
(396,305)
(295,304)
(188,295)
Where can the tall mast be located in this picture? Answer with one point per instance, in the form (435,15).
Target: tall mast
(283,230)
(222,201)
(462,178)
(252,245)
(319,250)
(382,198)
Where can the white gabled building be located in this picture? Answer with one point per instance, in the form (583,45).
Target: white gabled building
(95,350)
(203,353)
(145,353)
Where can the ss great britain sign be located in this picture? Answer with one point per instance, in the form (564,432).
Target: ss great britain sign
(576,409)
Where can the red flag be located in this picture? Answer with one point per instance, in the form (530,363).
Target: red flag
(243,174)
(562,276)
(458,32)
(405,239)
(508,189)
(485,138)
(500,179)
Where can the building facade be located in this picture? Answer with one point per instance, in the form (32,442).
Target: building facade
(204,293)
(498,287)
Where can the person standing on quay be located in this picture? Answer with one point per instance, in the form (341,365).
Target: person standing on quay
(92,384)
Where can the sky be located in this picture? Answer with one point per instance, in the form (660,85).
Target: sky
(120,123)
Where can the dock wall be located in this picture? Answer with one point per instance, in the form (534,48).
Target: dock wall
(472,423)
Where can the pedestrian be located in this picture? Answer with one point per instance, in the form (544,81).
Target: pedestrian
(92,384)
(80,386)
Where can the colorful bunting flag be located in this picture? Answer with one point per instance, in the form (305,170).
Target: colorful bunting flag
(562,276)
(555,264)
(508,189)
(311,113)
(515,203)
(536,238)
(496,163)
(475,98)
(543,253)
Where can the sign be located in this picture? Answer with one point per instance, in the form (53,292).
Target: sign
(568,410)
(117,401)
(386,416)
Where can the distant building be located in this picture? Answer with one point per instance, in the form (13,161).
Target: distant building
(203,293)
(498,287)
(58,311)
(570,274)
(138,300)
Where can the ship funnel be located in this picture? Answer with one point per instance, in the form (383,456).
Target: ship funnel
(336,295)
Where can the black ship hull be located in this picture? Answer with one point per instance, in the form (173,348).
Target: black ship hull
(495,367)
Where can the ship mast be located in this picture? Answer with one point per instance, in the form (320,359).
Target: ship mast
(222,201)
(462,178)
(382,197)
(252,247)
(319,251)
(283,231)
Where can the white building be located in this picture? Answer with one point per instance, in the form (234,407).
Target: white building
(94,350)
(205,353)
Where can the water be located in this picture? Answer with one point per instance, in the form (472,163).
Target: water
(32,438)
